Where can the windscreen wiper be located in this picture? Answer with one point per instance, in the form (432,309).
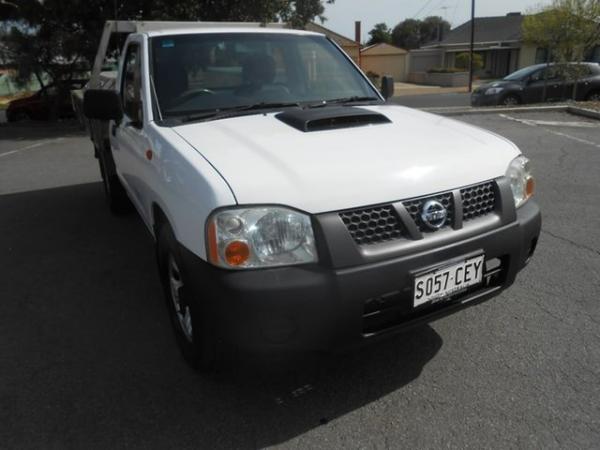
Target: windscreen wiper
(221,113)
(353,99)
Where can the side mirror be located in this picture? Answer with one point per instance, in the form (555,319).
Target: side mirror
(387,87)
(102,104)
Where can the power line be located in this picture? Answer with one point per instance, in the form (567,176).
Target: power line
(444,11)
(433,8)
(422,8)
(454,12)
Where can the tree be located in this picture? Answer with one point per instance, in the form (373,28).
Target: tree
(407,34)
(59,38)
(380,33)
(300,12)
(412,33)
(568,29)
(296,12)
(433,28)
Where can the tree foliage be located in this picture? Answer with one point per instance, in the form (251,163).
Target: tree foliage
(433,28)
(56,37)
(296,12)
(568,28)
(380,33)
(412,33)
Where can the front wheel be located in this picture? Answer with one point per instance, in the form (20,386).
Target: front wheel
(510,100)
(186,310)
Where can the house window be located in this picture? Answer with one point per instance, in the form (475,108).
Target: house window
(541,55)
(595,54)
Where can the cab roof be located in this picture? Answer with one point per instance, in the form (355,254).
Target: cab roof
(232,30)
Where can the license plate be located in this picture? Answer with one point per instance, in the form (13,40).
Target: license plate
(447,280)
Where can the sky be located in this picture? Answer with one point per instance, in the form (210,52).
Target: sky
(342,14)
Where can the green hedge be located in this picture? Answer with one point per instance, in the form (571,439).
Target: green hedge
(445,70)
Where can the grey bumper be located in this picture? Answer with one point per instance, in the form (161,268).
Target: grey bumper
(338,304)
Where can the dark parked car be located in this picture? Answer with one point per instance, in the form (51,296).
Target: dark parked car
(40,105)
(527,85)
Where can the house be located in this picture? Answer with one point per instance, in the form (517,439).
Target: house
(351,47)
(384,59)
(497,39)
(381,59)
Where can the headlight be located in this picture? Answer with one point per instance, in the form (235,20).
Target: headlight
(493,91)
(521,180)
(242,238)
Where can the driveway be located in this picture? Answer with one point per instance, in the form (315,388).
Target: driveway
(88,359)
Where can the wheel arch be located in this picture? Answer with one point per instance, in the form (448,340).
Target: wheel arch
(160,217)
(514,94)
(591,92)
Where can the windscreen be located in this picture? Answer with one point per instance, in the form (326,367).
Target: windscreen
(206,72)
(521,74)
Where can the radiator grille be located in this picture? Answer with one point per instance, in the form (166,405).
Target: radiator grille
(478,200)
(372,225)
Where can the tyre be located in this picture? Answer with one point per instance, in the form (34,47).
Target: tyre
(593,96)
(510,100)
(115,194)
(191,326)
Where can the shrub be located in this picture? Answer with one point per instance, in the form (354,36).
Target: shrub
(445,70)
(462,61)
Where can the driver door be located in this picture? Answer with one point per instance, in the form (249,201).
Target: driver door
(130,142)
(534,91)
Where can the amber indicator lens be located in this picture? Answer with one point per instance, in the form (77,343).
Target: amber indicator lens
(237,253)
(530,187)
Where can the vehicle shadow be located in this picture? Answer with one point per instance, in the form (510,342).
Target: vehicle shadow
(40,129)
(88,359)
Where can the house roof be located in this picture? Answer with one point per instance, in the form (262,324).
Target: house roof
(487,29)
(341,40)
(382,49)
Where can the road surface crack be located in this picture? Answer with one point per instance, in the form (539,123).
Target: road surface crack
(573,243)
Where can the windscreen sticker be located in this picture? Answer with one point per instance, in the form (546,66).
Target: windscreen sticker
(167,43)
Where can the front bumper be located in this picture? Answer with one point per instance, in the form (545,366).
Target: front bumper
(318,307)
(480,99)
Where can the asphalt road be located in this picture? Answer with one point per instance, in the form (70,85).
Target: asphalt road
(88,360)
(433,100)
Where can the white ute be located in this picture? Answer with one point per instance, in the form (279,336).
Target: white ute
(293,209)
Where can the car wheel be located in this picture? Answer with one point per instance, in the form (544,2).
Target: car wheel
(115,194)
(190,324)
(510,100)
(593,97)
